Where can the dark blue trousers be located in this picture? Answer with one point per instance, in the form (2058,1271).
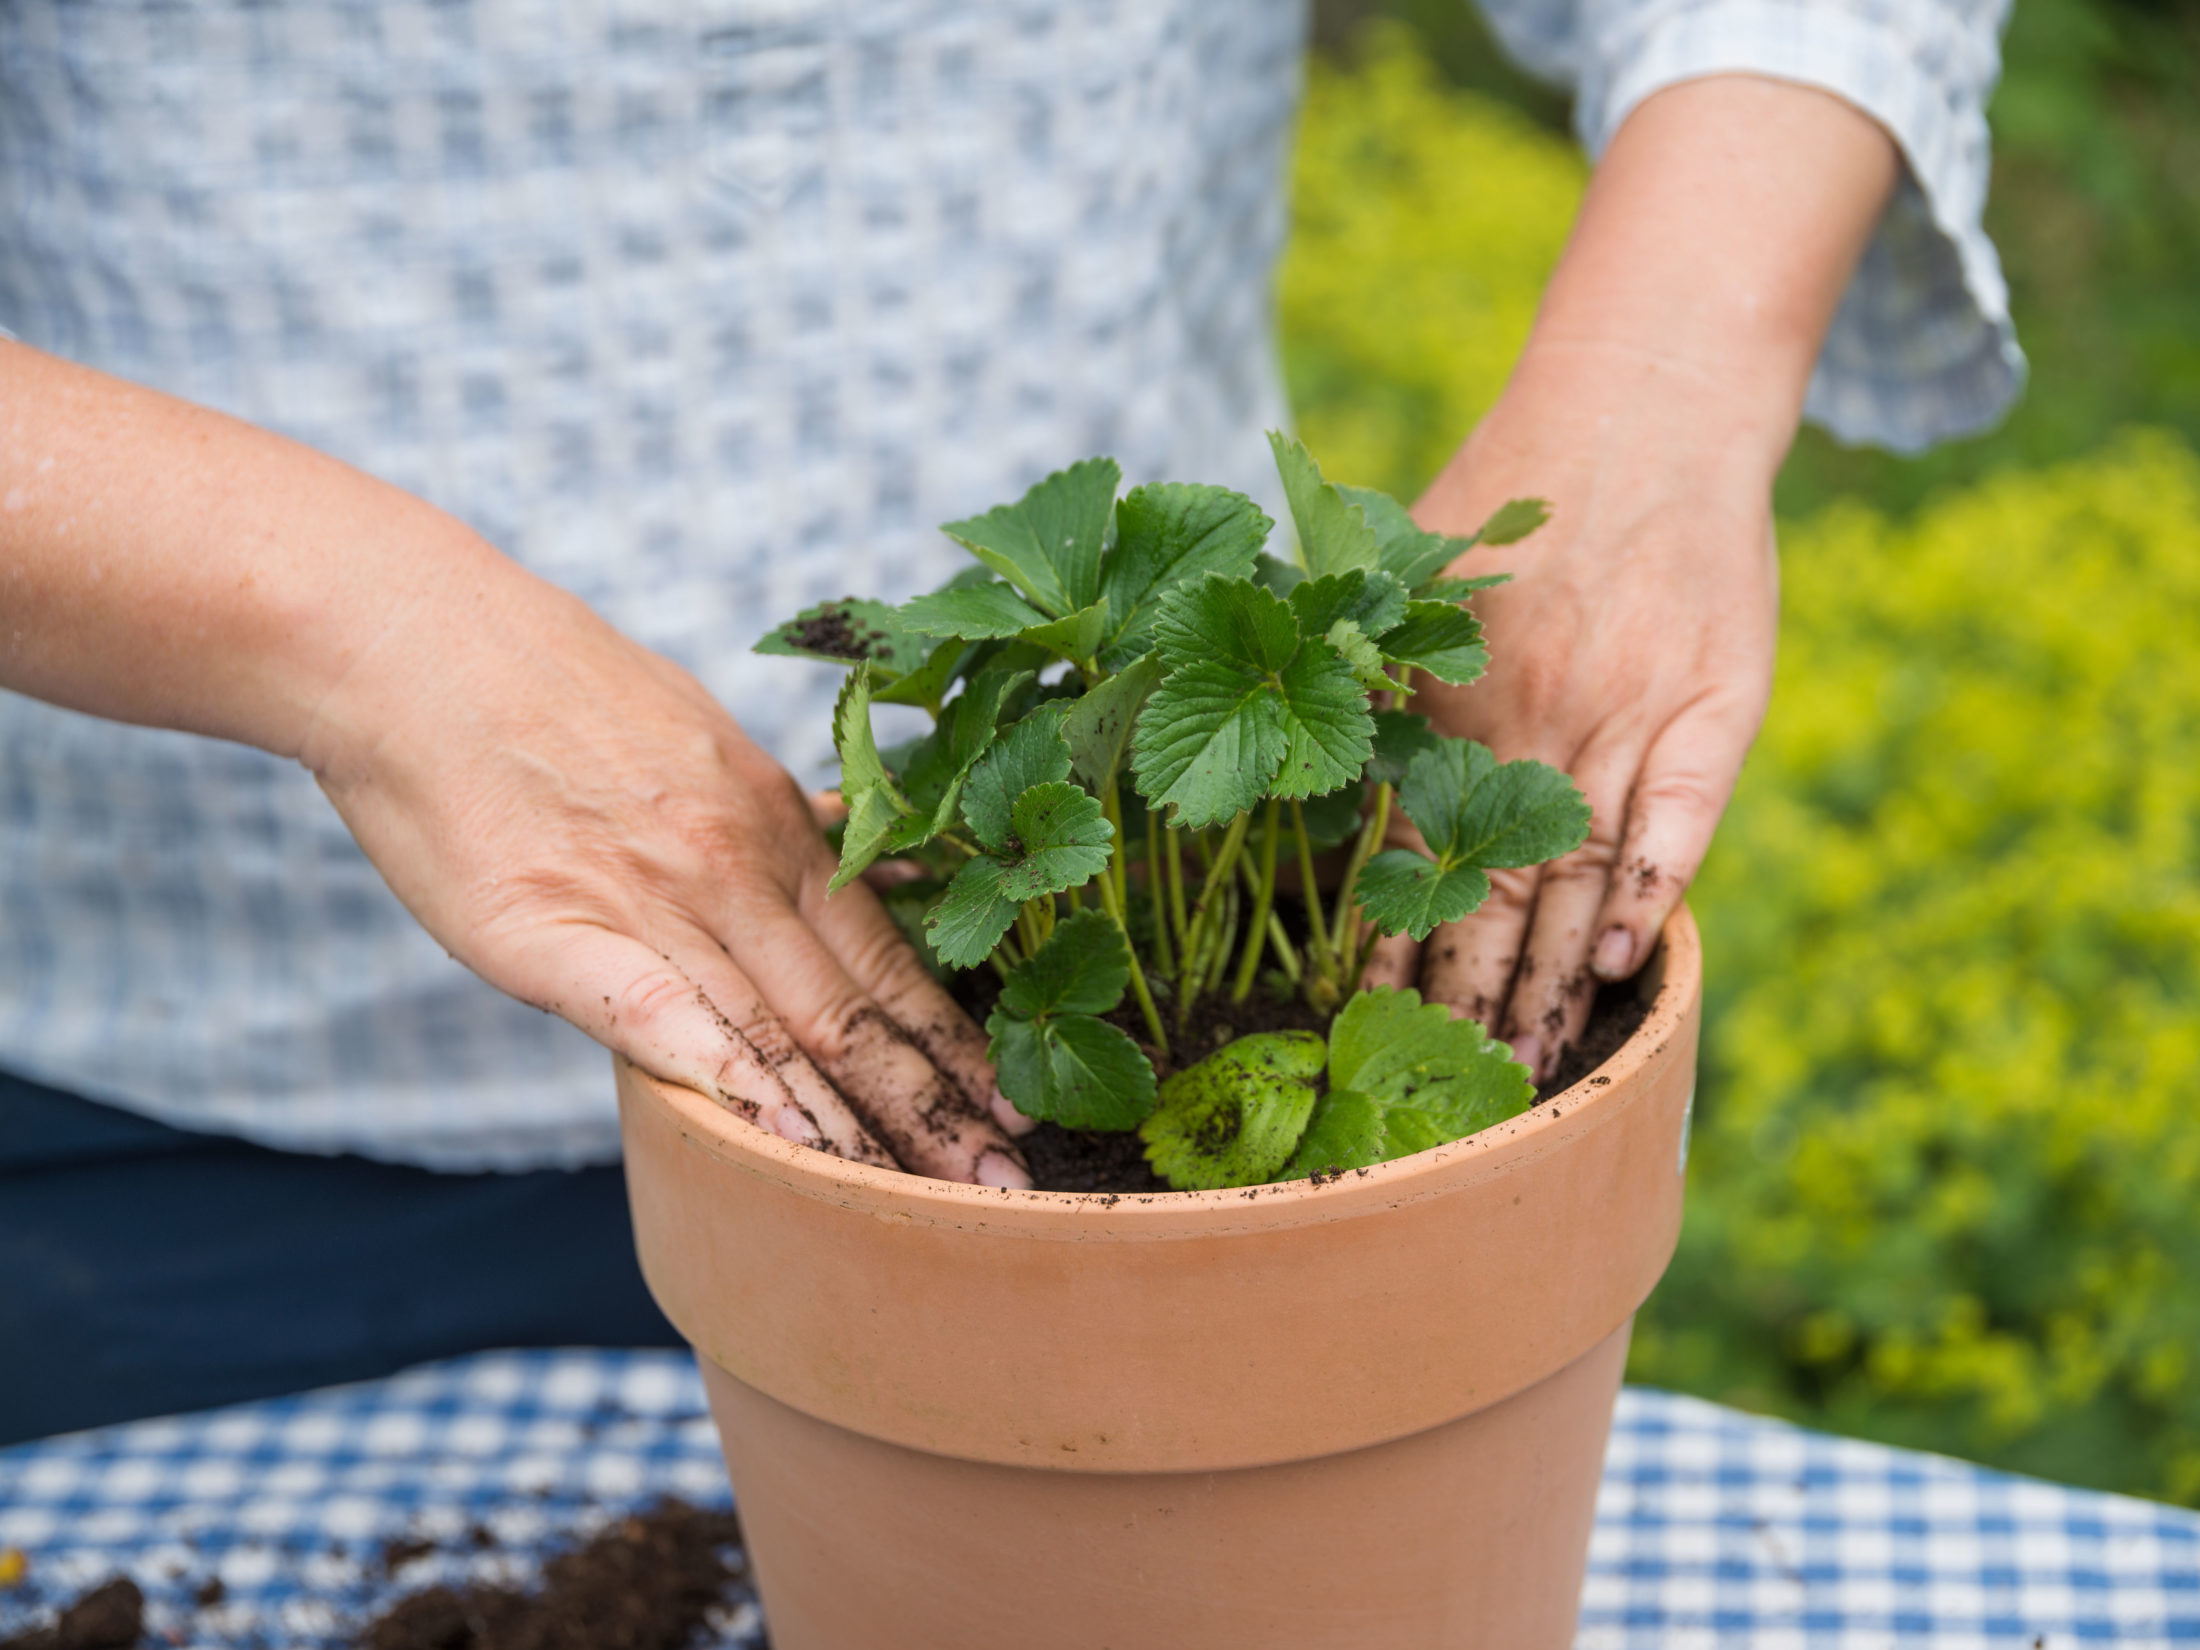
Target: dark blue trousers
(145,1270)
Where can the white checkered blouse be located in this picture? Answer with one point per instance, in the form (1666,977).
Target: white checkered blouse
(706,310)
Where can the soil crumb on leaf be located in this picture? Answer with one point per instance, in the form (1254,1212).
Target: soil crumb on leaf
(648,1582)
(109,1617)
(830,632)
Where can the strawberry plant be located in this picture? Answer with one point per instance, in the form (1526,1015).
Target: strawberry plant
(1149,737)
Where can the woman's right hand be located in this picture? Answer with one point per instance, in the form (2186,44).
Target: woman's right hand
(579,822)
(570,815)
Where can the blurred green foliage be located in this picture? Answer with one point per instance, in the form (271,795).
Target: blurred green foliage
(1946,1190)
(1425,222)
(1946,1182)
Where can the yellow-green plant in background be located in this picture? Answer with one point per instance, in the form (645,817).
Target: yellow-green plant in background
(1947,1183)
(1946,1188)
(1425,222)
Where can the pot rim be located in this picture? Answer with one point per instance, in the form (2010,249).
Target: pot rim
(1675,969)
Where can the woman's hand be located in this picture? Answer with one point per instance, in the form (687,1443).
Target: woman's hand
(573,817)
(580,824)
(1633,650)
(1652,407)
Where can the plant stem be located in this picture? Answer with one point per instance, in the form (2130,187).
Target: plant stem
(1119,850)
(1171,848)
(1348,911)
(1218,883)
(1139,987)
(1322,959)
(1225,936)
(1164,948)
(1264,900)
(1285,954)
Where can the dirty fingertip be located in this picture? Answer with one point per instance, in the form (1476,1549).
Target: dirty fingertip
(1615,954)
(1005,1113)
(795,1124)
(999,1169)
(1528,1050)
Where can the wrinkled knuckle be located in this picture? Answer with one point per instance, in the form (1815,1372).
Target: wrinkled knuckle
(772,1038)
(1592,862)
(1677,794)
(643,1001)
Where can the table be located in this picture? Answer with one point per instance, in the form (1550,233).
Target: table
(1714,1529)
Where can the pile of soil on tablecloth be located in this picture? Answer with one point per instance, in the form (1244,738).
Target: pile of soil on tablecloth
(109,1617)
(648,1582)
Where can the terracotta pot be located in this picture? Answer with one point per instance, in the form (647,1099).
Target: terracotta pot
(1368,1413)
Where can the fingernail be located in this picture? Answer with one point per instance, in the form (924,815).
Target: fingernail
(1528,1050)
(793,1123)
(1615,957)
(999,1169)
(1005,1113)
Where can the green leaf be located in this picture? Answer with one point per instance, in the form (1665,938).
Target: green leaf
(1245,707)
(1099,725)
(1235,620)
(1444,640)
(929,682)
(847,632)
(1408,553)
(1208,743)
(1325,721)
(1057,838)
(1167,533)
(1233,1119)
(1033,752)
(1345,1132)
(1052,1059)
(1514,521)
(970,612)
(1072,1069)
(1399,736)
(1048,543)
(1373,601)
(1405,1076)
(1403,893)
(938,765)
(1077,637)
(1334,536)
(1083,968)
(1458,590)
(1471,810)
(1282,577)
(972,915)
(1060,840)
(874,805)
(1365,658)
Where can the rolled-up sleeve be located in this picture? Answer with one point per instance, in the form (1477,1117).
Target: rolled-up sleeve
(1922,348)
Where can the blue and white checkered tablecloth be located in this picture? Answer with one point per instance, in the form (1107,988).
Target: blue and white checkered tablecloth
(1714,1528)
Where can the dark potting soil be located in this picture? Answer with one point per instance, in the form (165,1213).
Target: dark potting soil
(1078,1160)
(646,1583)
(109,1617)
(1616,1015)
(1081,1160)
(1074,1160)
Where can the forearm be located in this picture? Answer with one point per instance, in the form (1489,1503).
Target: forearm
(163,564)
(1712,249)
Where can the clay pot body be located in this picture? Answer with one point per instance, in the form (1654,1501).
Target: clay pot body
(1368,1413)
